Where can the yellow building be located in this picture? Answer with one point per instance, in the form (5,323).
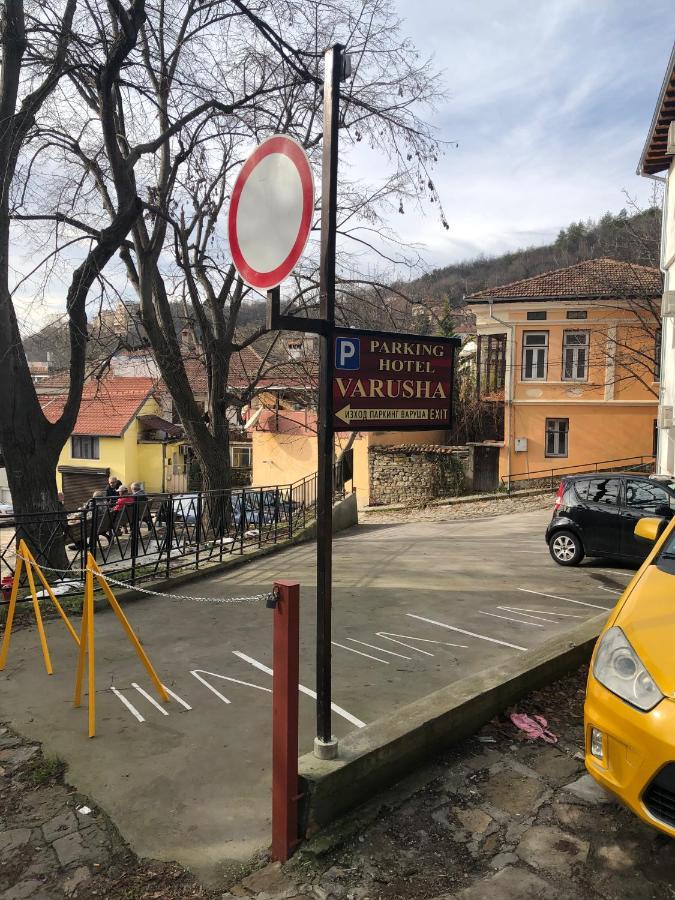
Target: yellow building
(118,432)
(574,356)
(285,448)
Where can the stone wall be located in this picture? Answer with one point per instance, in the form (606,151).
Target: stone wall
(415,473)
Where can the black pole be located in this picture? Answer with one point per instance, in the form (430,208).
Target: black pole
(325,745)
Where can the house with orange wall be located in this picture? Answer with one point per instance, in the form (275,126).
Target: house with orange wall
(574,355)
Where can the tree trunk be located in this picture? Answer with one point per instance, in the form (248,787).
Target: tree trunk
(39,516)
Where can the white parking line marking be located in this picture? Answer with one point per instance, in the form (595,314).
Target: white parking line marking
(379,649)
(150,699)
(509,619)
(523,610)
(210,687)
(391,635)
(176,697)
(197,675)
(566,599)
(481,637)
(610,590)
(303,690)
(520,612)
(360,653)
(130,706)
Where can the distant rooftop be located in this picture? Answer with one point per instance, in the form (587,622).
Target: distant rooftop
(591,279)
(108,406)
(654,158)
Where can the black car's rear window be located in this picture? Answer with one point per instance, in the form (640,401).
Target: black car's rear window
(581,489)
(599,490)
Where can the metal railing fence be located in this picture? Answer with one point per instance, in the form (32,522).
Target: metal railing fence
(553,475)
(155,536)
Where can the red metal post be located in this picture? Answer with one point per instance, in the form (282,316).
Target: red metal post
(285,719)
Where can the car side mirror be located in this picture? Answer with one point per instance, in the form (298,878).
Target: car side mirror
(664,510)
(648,529)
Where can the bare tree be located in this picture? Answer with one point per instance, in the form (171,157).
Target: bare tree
(39,45)
(250,70)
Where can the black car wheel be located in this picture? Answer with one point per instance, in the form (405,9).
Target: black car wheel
(566,548)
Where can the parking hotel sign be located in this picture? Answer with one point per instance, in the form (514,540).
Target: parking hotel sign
(392,382)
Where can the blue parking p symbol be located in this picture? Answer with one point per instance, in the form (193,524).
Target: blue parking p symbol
(347,353)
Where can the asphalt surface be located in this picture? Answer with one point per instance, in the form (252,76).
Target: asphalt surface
(415,606)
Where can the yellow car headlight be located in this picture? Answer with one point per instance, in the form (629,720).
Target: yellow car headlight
(618,667)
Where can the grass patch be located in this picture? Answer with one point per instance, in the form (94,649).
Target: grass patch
(43,769)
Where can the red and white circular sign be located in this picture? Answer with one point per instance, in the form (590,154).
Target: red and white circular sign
(270,214)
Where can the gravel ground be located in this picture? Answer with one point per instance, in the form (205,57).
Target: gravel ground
(478,509)
(52,847)
(499,816)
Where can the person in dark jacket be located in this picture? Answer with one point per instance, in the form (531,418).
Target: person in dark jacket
(112,490)
(143,502)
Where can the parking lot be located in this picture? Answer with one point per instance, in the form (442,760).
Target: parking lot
(415,607)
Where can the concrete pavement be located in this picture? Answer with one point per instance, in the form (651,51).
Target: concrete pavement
(416,607)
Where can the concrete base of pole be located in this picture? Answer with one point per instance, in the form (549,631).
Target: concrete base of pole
(326,749)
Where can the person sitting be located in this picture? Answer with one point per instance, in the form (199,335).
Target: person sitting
(121,511)
(124,499)
(112,490)
(141,498)
(96,501)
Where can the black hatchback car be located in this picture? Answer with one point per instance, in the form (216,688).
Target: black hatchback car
(595,515)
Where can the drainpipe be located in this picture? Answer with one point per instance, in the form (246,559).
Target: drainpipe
(510,372)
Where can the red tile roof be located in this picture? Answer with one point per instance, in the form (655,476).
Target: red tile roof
(248,367)
(593,278)
(108,406)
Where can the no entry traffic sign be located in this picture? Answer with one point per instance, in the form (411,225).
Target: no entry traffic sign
(270,214)
(391,382)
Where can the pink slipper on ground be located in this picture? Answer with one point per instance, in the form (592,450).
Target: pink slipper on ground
(534,728)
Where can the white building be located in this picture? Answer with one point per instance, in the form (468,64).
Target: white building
(658,161)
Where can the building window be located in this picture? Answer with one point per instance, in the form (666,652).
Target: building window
(577,314)
(492,363)
(657,355)
(538,315)
(557,431)
(241,457)
(575,355)
(535,355)
(84,447)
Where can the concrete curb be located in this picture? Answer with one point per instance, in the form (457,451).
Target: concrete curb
(389,749)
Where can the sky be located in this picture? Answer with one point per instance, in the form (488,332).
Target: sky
(549,101)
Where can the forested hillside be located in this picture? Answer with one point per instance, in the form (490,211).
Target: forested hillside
(632,237)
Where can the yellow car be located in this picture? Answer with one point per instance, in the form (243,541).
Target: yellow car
(629,715)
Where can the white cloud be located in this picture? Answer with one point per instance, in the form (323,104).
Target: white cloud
(550,103)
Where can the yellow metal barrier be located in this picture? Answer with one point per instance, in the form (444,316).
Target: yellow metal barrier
(26,560)
(87,642)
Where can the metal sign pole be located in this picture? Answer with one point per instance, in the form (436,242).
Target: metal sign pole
(325,745)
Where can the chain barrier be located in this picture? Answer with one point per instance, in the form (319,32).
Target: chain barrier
(268,596)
